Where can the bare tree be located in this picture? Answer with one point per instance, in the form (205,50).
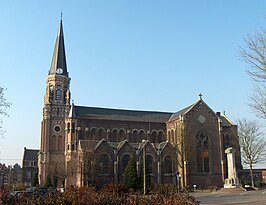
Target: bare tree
(4,104)
(252,144)
(254,54)
(185,151)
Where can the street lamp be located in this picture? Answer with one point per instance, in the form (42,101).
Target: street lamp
(144,168)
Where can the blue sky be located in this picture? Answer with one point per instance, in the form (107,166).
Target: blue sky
(141,54)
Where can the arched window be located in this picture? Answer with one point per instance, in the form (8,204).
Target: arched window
(101,133)
(60,143)
(103,164)
(57,112)
(73,127)
(226,141)
(203,153)
(65,95)
(58,93)
(53,143)
(142,135)
(122,135)
(68,127)
(135,136)
(168,165)
(114,137)
(169,136)
(125,160)
(51,93)
(172,136)
(153,136)
(93,134)
(160,137)
(149,163)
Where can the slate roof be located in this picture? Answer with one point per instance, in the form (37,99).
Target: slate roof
(30,154)
(180,112)
(59,56)
(226,122)
(120,114)
(90,145)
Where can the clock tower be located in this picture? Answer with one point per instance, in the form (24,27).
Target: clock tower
(56,108)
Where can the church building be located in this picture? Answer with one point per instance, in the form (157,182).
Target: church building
(82,145)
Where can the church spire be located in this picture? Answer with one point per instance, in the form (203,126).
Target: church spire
(58,65)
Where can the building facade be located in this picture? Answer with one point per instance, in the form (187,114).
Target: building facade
(91,145)
(29,166)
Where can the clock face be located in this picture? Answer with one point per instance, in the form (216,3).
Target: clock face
(59,70)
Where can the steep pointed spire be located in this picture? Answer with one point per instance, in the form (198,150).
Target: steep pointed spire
(58,65)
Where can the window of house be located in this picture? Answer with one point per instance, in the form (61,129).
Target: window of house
(28,174)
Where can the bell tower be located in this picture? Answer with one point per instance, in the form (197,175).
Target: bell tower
(56,108)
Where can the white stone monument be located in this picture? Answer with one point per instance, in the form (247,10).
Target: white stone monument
(232,181)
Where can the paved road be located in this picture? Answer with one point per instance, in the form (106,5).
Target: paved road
(233,198)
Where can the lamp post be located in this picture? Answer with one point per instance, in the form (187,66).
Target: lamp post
(144,168)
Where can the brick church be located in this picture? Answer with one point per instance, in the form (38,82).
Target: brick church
(87,145)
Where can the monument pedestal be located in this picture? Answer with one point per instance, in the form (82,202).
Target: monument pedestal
(232,181)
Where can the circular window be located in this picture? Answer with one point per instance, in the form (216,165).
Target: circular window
(57,128)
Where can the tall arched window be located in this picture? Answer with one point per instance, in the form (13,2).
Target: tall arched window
(73,127)
(101,133)
(93,134)
(68,127)
(125,160)
(114,135)
(203,153)
(58,93)
(172,136)
(142,135)
(103,164)
(168,165)
(160,137)
(53,143)
(149,163)
(65,95)
(51,93)
(135,136)
(226,141)
(122,135)
(60,143)
(153,136)
(169,136)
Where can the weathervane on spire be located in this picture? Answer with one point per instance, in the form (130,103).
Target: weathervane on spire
(61,16)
